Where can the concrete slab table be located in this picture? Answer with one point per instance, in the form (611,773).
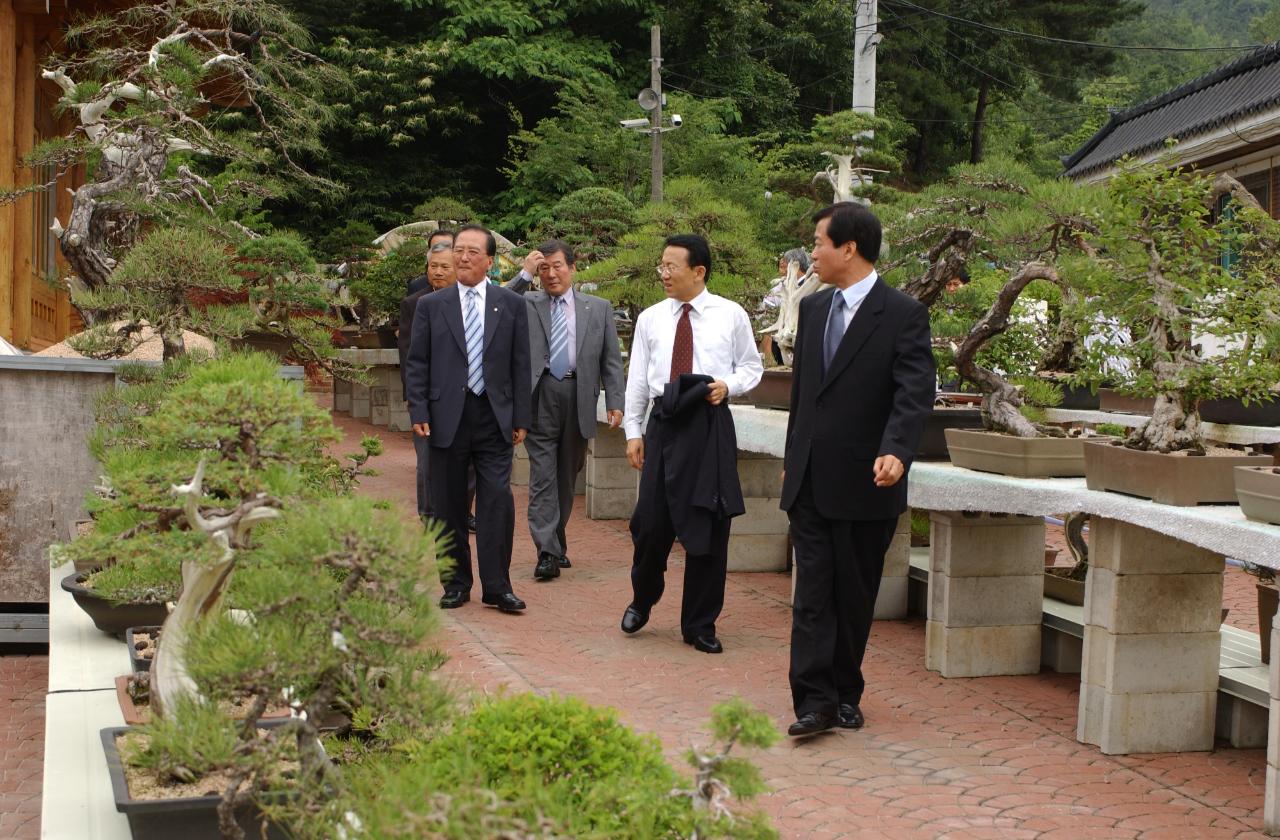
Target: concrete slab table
(1152,604)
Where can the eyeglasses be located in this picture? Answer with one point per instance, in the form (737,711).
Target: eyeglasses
(666,269)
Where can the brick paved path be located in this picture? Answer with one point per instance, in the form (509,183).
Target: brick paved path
(966,758)
(24,680)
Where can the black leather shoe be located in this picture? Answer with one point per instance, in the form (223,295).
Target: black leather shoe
(507,602)
(548,567)
(810,723)
(471,524)
(850,716)
(453,600)
(564,562)
(633,619)
(706,644)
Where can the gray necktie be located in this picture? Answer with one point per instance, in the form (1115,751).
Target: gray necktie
(835,331)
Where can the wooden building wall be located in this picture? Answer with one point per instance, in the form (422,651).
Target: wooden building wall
(34,313)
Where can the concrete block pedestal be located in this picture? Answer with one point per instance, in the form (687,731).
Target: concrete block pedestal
(1149,676)
(891,601)
(1271,802)
(986,594)
(611,483)
(758,538)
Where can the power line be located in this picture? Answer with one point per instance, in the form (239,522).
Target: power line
(1050,39)
(1086,111)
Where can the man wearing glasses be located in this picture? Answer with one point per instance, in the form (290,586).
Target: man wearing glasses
(468,383)
(693,342)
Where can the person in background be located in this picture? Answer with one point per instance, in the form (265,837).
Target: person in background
(693,343)
(439,274)
(437,237)
(573,351)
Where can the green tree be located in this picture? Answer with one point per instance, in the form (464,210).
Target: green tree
(740,267)
(592,221)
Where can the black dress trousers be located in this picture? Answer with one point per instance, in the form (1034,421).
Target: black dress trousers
(838,569)
(653,534)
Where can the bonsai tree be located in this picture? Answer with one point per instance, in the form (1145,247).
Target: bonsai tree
(188,115)
(1182,259)
(381,286)
(337,593)
(249,443)
(1009,231)
(592,220)
(691,205)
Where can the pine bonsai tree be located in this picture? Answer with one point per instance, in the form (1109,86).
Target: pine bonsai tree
(1183,258)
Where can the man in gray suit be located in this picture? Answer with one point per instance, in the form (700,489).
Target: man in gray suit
(573,351)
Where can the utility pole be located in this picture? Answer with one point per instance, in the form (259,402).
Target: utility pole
(865,39)
(655,116)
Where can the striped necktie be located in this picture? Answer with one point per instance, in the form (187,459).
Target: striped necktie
(475,345)
(559,339)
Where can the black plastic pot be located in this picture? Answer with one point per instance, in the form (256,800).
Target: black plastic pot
(933,443)
(190,818)
(139,662)
(108,617)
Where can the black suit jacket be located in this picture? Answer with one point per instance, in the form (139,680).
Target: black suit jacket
(408,306)
(873,401)
(436,367)
(699,451)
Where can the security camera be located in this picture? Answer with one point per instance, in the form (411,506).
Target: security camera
(633,124)
(677,120)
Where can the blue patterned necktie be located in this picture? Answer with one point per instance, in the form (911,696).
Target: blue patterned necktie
(835,331)
(559,339)
(475,345)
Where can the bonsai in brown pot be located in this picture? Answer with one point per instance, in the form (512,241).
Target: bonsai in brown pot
(977,250)
(1184,261)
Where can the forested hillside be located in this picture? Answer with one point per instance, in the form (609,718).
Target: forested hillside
(508,106)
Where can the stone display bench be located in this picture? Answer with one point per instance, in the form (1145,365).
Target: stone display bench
(1152,614)
(381,401)
(757,541)
(77,802)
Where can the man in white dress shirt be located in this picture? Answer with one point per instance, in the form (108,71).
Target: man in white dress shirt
(692,332)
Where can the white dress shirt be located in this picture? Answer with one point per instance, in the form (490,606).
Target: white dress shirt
(854,295)
(462,299)
(724,348)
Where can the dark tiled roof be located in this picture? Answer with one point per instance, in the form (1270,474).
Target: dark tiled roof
(1245,86)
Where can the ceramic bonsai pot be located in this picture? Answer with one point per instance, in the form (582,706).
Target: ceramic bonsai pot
(108,617)
(1234,412)
(933,442)
(1183,480)
(1258,489)
(1062,588)
(774,390)
(190,818)
(136,709)
(141,644)
(994,452)
(1110,399)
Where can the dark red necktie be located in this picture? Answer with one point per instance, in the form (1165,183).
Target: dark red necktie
(682,350)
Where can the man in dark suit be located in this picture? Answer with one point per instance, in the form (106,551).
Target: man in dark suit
(468,379)
(862,388)
(439,274)
(573,349)
(422,282)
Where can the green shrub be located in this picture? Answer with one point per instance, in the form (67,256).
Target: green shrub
(592,220)
(544,766)
(383,284)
